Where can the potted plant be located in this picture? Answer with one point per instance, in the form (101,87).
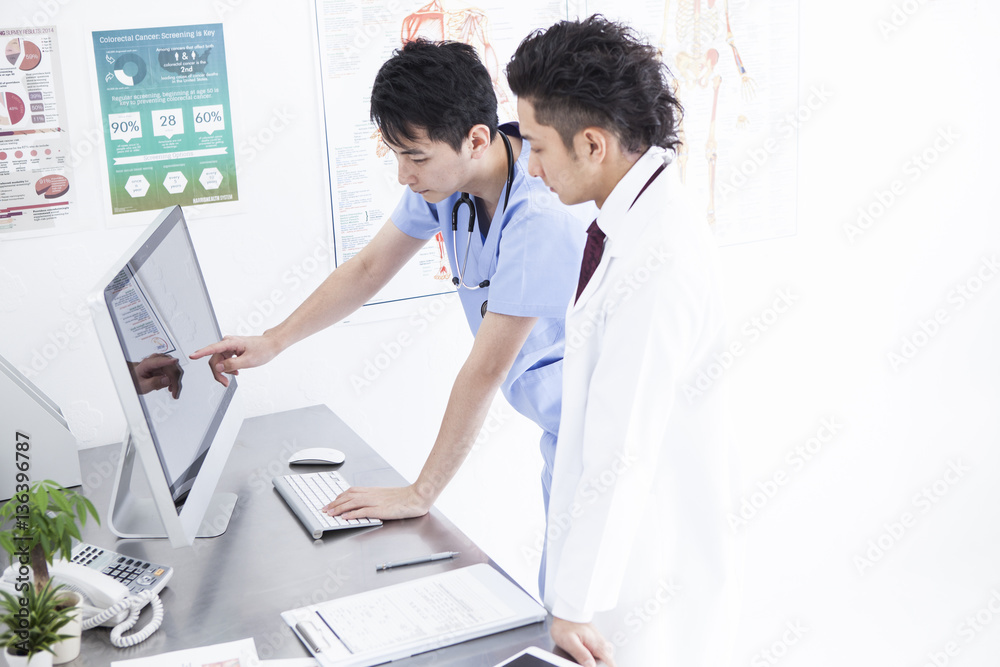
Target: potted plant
(46,518)
(33,621)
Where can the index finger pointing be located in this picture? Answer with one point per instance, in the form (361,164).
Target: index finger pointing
(223,345)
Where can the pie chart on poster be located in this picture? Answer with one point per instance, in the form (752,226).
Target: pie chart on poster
(52,186)
(13,51)
(15,108)
(23,54)
(32,56)
(130,69)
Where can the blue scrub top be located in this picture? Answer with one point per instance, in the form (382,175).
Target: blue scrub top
(531,256)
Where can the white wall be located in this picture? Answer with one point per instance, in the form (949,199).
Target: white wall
(826,358)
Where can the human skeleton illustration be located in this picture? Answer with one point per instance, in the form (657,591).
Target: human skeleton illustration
(698,29)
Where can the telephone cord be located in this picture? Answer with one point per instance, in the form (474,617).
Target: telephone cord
(134,605)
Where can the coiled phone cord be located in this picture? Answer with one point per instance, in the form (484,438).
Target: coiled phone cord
(134,605)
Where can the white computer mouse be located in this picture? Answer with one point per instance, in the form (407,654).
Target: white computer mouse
(317,456)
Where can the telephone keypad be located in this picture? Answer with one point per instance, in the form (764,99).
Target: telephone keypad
(136,574)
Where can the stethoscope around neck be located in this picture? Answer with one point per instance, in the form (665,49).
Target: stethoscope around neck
(459,280)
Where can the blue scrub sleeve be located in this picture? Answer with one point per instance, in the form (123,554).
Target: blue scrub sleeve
(415,217)
(538,264)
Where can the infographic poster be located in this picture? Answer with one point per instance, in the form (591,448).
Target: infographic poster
(165,109)
(34,146)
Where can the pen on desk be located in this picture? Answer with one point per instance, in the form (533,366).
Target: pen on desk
(444,555)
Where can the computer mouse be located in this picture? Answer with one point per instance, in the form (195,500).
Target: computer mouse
(317,456)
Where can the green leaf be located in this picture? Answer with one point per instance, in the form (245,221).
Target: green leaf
(43,499)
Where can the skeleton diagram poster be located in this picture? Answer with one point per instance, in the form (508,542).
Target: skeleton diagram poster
(735,66)
(355,38)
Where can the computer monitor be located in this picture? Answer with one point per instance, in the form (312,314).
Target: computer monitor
(150,312)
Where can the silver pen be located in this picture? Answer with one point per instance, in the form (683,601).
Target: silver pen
(444,555)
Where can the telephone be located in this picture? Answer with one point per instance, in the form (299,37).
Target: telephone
(106,601)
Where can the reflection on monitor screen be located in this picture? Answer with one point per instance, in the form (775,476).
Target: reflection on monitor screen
(151,313)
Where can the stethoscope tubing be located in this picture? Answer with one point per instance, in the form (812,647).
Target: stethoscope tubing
(459,280)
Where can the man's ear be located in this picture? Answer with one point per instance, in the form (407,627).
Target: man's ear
(592,144)
(479,140)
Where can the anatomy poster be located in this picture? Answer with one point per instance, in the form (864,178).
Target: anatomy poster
(355,39)
(165,108)
(35,178)
(735,68)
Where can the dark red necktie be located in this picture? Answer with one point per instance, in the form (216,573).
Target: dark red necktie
(591,256)
(595,242)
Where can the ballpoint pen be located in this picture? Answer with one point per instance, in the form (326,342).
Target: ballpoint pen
(444,555)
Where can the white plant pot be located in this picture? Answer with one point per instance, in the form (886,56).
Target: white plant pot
(43,659)
(68,649)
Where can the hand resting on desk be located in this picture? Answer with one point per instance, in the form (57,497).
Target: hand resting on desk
(583,641)
(379,503)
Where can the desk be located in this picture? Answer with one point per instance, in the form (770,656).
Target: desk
(236,585)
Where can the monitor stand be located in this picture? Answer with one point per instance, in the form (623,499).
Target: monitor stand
(133,516)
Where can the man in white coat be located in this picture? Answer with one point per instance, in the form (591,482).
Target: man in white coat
(640,561)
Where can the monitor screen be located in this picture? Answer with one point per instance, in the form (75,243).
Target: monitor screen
(151,312)
(161,313)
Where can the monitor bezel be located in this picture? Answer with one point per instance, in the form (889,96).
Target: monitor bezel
(180,527)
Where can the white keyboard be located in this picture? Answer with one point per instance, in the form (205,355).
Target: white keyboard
(308,493)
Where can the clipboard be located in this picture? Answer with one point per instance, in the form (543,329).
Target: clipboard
(412,617)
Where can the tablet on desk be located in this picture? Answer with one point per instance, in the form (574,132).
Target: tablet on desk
(415,616)
(536,657)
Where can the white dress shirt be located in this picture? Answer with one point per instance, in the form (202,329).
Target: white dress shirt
(640,487)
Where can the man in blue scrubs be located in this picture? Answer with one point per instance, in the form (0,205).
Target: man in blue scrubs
(436,109)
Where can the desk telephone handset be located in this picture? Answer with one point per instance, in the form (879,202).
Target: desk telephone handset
(106,601)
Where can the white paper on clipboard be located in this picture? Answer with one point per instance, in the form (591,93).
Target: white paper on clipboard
(412,617)
(142,328)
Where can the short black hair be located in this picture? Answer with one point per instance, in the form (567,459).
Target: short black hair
(440,87)
(596,72)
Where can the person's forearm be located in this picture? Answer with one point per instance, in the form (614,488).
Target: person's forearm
(469,403)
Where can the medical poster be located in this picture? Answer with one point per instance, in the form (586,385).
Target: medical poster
(735,68)
(164,96)
(35,176)
(354,40)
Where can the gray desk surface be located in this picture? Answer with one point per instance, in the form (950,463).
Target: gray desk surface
(236,585)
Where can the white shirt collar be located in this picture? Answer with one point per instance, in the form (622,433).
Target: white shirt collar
(611,219)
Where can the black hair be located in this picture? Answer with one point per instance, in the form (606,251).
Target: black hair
(440,87)
(598,73)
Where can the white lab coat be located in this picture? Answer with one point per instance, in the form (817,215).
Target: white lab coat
(637,538)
